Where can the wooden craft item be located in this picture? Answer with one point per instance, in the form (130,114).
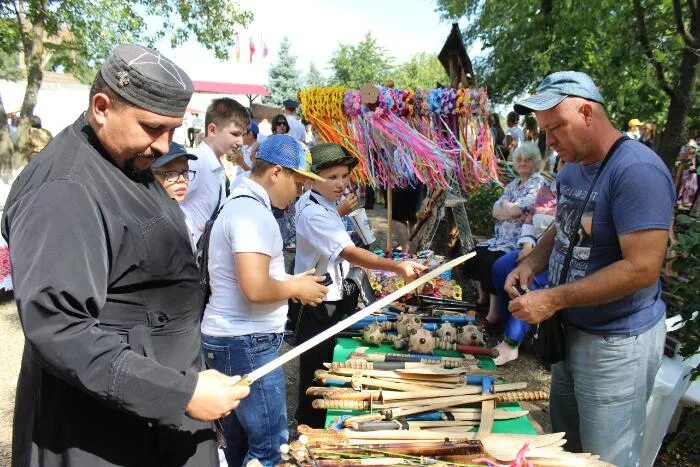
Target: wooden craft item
(422,341)
(368,404)
(369,94)
(470,335)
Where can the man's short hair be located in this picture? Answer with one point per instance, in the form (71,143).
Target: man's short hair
(223,111)
(512,117)
(100,86)
(261,166)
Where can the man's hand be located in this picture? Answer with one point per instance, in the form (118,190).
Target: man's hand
(347,205)
(526,250)
(310,291)
(410,270)
(533,307)
(215,396)
(523,275)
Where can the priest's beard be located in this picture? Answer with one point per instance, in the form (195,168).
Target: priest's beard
(144,176)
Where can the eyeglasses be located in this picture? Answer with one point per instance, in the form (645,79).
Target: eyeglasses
(174,176)
(281,122)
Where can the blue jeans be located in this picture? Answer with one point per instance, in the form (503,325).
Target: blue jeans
(258,426)
(600,391)
(515,329)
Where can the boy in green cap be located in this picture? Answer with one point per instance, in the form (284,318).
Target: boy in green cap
(323,244)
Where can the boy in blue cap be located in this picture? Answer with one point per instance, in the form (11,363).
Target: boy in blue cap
(244,318)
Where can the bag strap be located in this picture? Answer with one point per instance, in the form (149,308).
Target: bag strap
(579,215)
(203,250)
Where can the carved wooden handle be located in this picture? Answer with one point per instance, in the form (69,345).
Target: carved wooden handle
(515,396)
(339,404)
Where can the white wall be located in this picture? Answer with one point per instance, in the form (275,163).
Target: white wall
(58,104)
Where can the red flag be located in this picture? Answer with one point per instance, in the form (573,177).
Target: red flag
(252,49)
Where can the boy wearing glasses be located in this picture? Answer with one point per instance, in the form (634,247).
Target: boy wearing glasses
(172,172)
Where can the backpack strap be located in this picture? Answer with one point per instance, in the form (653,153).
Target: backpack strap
(202,257)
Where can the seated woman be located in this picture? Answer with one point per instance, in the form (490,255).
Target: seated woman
(173,173)
(544,211)
(509,211)
(324,245)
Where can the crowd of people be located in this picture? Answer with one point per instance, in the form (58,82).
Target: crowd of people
(124,348)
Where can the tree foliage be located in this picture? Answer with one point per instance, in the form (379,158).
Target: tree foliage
(632,48)
(77,35)
(366,61)
(423,70)
(314,77)
(285,79)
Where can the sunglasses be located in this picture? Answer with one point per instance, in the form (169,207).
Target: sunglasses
(282,122)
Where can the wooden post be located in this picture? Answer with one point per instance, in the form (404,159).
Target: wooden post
(389,200)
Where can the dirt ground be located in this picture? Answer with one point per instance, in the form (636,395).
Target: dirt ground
(526,368)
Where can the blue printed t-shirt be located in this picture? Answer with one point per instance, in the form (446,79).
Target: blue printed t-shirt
(635,192)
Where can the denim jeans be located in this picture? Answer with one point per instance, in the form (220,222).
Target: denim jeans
(514,328)
(258,426)
(600,391)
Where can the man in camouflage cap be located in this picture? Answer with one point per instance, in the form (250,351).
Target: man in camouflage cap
(107,288)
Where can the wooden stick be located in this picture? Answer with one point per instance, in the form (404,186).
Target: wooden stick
(426,384)
(487,416)
(386,396)
(388,374)
(514,396)
(324,377)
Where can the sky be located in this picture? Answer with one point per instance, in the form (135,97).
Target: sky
(315,28)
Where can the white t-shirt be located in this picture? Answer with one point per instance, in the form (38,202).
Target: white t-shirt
(321,237)
(207,187)
(516,133)
(245,225)
(296,128)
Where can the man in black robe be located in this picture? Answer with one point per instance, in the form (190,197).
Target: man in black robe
(107,289)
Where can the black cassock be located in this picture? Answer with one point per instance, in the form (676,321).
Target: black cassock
(106,286)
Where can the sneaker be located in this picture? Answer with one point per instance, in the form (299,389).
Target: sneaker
(506,354)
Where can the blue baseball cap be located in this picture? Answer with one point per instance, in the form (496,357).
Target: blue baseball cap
(253,128)
(557,87)
(285,151)
(175,151)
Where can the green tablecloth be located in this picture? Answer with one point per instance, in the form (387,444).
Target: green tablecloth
(345,346)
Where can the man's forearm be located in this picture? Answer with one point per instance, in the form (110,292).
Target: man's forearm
(538,259)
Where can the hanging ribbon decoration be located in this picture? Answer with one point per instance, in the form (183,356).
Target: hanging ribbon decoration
(409,135)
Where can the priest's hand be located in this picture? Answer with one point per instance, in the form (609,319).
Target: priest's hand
(215,396)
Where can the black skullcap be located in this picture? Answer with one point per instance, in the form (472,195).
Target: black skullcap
(148,80)
(290,104)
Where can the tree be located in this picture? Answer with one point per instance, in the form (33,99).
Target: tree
(423,70)
(285,80)
(314,77)
(72,34)
(641,53)
(354,65)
